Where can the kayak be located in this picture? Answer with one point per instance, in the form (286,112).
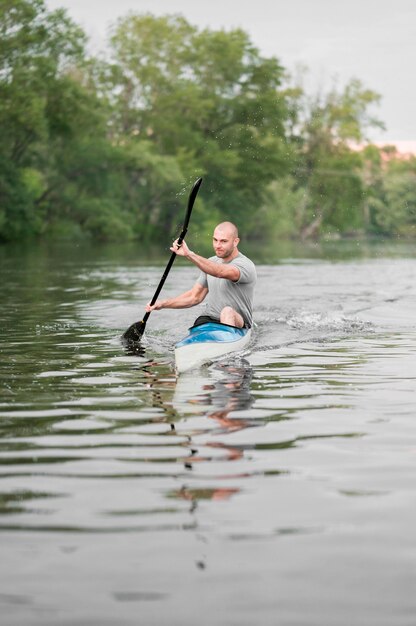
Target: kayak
(209,341)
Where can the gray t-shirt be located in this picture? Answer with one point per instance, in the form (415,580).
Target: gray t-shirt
(223,292)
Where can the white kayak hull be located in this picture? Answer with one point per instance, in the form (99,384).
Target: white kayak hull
(209,341)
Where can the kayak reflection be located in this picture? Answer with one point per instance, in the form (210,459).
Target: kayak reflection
(210,405)
(217,392)
(202,408)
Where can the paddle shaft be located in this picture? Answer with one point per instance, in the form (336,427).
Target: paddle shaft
(191,201)
(164,277)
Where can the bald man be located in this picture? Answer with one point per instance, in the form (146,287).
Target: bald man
(226,280)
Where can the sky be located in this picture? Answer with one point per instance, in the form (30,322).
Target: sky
(372,40)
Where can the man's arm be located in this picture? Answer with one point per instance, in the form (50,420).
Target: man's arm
(183,301)
(220,270)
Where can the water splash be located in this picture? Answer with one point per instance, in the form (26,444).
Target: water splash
(328,322)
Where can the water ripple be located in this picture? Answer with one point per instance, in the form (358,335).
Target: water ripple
(274,466)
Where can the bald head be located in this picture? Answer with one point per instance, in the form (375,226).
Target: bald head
(225,240)
(228,227)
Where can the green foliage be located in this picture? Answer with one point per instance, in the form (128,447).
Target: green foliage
(206,98)
(327,170)
(108,148)
(280,215)
(36,47)
(392,205)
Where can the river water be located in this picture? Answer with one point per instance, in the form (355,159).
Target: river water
(276,487)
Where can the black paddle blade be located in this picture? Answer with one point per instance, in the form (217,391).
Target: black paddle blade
(134,333)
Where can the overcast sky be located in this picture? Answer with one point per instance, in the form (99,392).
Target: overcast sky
(373,40)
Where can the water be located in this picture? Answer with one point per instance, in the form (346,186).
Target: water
(276,487)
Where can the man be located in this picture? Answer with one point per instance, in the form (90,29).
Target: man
(228,279)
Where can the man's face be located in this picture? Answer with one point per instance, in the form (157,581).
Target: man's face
(224,243)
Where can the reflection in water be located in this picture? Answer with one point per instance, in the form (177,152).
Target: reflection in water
(229,391)
(134,349)
(218,399)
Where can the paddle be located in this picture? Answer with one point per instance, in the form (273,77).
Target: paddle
(136,330)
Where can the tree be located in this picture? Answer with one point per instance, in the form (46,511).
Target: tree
(108,146)
(206,98)
(391,199)
(36,48)
(327,168)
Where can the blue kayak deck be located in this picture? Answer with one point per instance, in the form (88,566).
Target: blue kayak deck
(212,332)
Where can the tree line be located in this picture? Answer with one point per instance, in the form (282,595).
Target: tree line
(107,146)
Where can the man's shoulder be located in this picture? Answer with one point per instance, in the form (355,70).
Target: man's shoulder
(248,273)
(242,258)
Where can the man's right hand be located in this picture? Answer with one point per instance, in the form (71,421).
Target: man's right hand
(156,307)
(180,249)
